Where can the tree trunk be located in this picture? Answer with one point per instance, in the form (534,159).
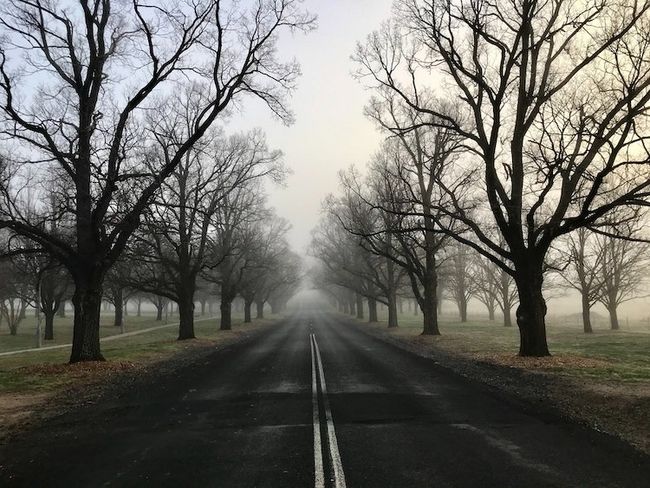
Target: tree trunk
(226,312)
(415,307)
(259,306)
(400,305)
(586,314)
(346,307)
(247,310)
(359,306)
(49,324)
(613,316)
(462,309)
(139,314)
(392,310)
(61,311)
(507,319)
(372,310)
(490,308)
(159,311)
(430,298)
(531,311)
(203,303)
(352,306)
(126,307)
(186,315)
(87,300)
(119,310)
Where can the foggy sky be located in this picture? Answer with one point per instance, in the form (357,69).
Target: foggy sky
(330,132)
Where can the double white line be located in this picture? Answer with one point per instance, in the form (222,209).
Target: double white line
(318,379)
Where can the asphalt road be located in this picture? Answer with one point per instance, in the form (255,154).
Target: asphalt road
(342,408)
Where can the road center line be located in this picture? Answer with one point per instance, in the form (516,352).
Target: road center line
(319,474)
(335,456)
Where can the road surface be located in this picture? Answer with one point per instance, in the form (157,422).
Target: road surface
(316,402)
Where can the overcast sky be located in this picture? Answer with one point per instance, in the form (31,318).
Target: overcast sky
(330,132)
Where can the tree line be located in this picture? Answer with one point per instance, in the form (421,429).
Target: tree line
(116,163)
(513,131)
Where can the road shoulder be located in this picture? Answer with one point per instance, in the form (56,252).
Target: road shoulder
(601,407)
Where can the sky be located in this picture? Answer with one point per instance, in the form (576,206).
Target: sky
(330,132)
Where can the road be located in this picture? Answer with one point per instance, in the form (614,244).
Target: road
(315,401)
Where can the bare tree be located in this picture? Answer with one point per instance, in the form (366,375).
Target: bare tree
(92,126)
(550,96)
(174,241)
(583,271)
(623,272)
(485,283)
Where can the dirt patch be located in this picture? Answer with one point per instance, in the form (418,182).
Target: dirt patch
(621,409)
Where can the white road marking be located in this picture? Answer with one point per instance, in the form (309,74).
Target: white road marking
(319,474)
(335,456)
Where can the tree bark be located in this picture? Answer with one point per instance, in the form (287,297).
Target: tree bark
(462,309)
(248,303)
(61,311)
(430,297)
(139,314)
(226,312)
(613,317)
(372,310)
(203,303)
(507,319)
(49,324)
(87,300)
(119,308)
(186,315)
(392,310)
(490,308)
(359,306)
(159,311)
(531,311)
(586,314)
(259,306)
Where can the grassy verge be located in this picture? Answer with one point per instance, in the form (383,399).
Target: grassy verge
(47,370)
(26,337)
(605,354)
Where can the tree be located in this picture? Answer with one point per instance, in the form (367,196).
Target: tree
(583,271)
(175,238)
(461,285)
(97,133)
(235,227)
(485,284)
(550,97)
(415,158)
(622,269)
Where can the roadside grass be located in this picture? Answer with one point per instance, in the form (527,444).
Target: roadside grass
(621,356)
(45,371)
(26,337)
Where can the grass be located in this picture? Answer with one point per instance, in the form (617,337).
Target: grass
(622,355)
(43,371)
(26,337)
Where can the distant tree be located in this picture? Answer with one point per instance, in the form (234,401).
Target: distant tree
(582,271)
(622,268)
(485,283)
(175,239)
(461,285)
